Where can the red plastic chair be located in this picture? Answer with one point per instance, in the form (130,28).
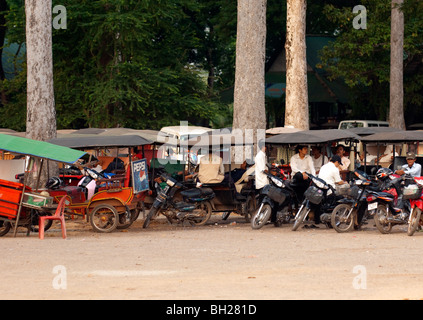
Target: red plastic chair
(58,215)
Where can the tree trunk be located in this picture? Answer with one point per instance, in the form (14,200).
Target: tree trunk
(396,107)
(41,113)
(297,109)
(249,96)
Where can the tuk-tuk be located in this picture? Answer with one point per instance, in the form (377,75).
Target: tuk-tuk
(231,196)
(20,206)
(118,199)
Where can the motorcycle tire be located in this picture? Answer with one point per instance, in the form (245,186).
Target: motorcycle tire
(300,218)
(383,227)
(4,228)
(261,217)
(152,213)
(339,219)
(125,219)
(35,214)
(207,210)
(414,222)
(250,208)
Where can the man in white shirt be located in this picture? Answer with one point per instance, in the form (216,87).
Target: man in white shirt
(260,166)
(318,158)
(345,161)
(330,172)
(412,168)
(302,162)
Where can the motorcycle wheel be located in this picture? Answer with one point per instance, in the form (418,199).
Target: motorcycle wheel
(414,221)
(300,217)
(380,215)
(104,218)
(152,213)
(204,216)
(4,228)
(125,219)
(34,224)
(250,208)
(340,220)
(261,217)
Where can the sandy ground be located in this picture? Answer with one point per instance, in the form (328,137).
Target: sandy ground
(222,260)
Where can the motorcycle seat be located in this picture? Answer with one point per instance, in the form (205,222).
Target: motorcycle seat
(383,194)
(197,192)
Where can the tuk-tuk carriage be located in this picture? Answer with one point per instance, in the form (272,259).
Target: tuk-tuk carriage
(323,138)
(117,200)
(20,206)
(231,196)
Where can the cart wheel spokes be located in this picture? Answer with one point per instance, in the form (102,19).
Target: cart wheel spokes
(104,218)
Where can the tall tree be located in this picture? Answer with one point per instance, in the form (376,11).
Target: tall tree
(396,105)
(297,111)
(41,113)
(249,94)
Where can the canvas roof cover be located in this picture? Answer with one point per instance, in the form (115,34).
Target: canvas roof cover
(313,137)
(99,141)
(396,136)
(39,149)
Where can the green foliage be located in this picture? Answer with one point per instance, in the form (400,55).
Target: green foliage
(362,57)
(124,63)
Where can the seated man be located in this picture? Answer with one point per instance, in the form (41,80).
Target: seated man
(345,161)
(412,168)
(237,173)
(211,169)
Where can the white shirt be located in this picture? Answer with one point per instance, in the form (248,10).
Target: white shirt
(345,163)
(302,165)
(414,171)
(318,162)
(260,163)
(330,174)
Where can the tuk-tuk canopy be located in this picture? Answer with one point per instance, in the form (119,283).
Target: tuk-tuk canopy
(400,136)
(313,137)
(100,141)
(39,149)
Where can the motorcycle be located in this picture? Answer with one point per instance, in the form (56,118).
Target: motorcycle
(317,195)
(416,202)
(352,211)
(389,208)
(279,199)
(195,208)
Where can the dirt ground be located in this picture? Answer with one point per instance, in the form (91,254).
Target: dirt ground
(222,260)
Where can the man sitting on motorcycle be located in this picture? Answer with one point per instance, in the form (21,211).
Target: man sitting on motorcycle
(412,168)
(331,175)
(330,172)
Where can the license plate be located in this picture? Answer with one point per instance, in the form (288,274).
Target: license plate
(372,206)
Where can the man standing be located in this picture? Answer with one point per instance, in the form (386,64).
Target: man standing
(412,168)
(260,163)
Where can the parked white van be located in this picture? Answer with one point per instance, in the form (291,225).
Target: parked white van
(348,124)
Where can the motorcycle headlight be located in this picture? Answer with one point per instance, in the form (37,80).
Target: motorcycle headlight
(277,182)
(170,182)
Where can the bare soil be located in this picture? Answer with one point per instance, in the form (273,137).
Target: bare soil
(222,260)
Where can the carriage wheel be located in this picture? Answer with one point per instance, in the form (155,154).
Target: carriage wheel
(104,218)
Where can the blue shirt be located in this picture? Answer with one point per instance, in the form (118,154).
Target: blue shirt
(414,171)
